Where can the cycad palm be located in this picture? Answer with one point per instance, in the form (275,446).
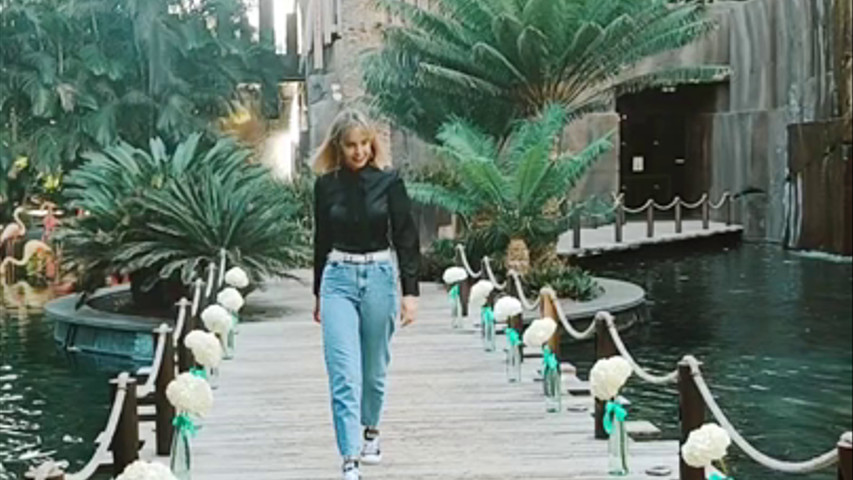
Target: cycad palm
(497,60)
(516,193)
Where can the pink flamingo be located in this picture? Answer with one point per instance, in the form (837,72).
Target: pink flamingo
(14,230)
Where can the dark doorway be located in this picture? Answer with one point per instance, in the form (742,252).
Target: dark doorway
(661,132)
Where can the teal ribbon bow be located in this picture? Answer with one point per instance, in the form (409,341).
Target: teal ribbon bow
(717,476)
(235,319)
(454,292)
(613,411)
(185,425)
(488,316)
(199,372)
(549,361)
(513,337)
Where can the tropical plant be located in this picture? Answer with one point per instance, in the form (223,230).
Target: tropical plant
(494,61)
(159,215)
(78,75)
(512,197)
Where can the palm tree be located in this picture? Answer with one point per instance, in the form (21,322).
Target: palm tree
(513,196)
(494,61)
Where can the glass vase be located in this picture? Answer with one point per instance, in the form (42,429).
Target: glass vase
(456,310)
(513,363)
(488,326)
(617,450)
(553,385)
(213,378)
(180,457)
(227,354)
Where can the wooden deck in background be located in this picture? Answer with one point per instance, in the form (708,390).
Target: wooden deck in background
(596,241)
(451,414)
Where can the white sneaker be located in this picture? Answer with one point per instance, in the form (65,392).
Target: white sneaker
(351,471)
(371,454)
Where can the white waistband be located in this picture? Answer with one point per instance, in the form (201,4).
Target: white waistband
(380,256)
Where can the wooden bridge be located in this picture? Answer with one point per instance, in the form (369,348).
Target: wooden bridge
(451,413)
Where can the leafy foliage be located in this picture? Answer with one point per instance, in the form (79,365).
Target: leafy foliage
(568,282)
(493,61)
(78,75)
(171,212)
(520,190)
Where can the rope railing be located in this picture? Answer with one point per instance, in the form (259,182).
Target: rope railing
(151,382)
(564,319)
(818,463)
(106,436)
(519,289)
(460,249)
(487,267)
(641,372)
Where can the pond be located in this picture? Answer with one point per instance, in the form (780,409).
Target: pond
(51,404)
(774,330)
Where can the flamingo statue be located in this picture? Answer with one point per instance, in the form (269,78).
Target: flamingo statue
(14,230)
(31,248)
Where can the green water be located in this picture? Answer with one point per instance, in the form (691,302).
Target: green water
(51,404)
(775,331)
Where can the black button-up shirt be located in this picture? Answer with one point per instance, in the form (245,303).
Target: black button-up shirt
(361,212)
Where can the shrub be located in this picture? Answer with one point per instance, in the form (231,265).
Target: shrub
(567,281)
(159,215)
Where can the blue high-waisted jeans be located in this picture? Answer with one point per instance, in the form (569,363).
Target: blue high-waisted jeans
(358,307)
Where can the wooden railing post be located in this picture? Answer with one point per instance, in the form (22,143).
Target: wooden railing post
(125,441)
(465,286)
(679,217)
(619,221)
(650,221)
(185,357)
(692,415)
(465,295)
(516,322)
(604,348)
(706,212)
(845,457)
(576,231)
(730,210)
(549,310)
(165,412)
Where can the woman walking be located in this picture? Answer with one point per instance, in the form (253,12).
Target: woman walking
(361,210)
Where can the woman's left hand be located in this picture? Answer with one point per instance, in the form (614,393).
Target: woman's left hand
(409,310)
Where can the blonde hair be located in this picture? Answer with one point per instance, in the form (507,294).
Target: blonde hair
(330,154)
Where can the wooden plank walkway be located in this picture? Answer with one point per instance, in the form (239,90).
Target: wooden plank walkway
(450,415)
(596,241)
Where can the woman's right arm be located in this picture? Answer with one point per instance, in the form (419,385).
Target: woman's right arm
(322,238)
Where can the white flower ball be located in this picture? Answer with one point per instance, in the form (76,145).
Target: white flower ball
(217,320)
(140,470)
(237,278)
(539,332)
(231,299)
(608,376)
(206,348)
(706,445)
(480,293)
(507,307)
(454,275)
(190,394)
